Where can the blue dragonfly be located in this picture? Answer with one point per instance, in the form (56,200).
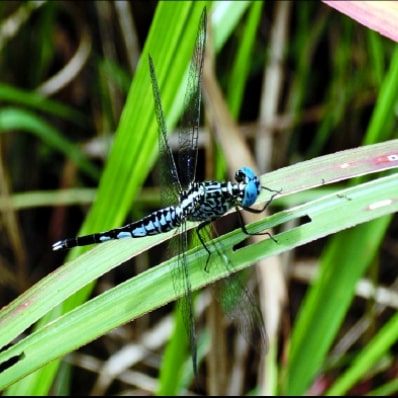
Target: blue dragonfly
(202,202)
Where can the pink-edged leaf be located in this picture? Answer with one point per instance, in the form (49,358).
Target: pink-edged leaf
(381,16)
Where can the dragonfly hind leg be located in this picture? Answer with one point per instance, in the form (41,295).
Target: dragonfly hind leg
(245,231)
(202,241)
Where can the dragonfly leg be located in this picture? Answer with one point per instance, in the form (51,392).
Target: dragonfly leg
(258,211)
(202,241)
(243,227)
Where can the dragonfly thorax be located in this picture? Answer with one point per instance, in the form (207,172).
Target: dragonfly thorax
(208,200)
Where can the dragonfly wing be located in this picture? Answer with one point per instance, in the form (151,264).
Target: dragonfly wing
(182,287)
(189,126)
(172,180)
(235,298)
(187,157)
(169,181)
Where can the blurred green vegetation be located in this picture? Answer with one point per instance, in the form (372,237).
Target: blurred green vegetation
(77,122)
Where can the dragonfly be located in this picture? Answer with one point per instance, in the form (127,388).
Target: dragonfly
(197,201)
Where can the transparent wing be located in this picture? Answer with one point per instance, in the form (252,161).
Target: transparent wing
(172,180)
(169,181)
(182,287)
(187,157)
(188,133)
(236,300)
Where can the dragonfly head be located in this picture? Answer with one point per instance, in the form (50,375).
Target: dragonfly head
(251,185)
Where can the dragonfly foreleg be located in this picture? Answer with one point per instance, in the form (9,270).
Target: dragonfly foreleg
(258,211)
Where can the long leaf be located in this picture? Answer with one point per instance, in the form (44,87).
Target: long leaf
(154,287)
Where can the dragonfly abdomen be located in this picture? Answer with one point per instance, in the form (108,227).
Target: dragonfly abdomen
(158,222)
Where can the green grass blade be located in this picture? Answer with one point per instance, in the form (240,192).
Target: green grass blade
(367,358)
(385,105)
(38,102)
(23,120)
(342,266)
(240,68)
(176,353)
(225,16)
